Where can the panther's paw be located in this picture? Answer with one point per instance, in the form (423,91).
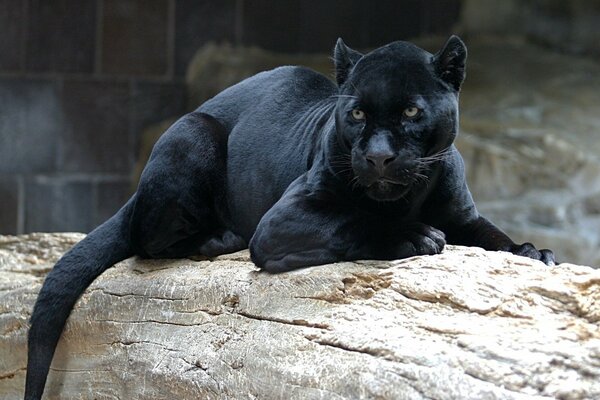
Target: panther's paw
(425,240)
(226,242)
(528,250)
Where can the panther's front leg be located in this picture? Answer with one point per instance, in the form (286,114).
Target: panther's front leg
(450,207)
(482,233)
(307,228)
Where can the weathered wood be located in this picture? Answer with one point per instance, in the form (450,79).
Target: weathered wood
(466,324)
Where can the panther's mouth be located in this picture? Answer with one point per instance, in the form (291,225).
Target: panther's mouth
(388,181)
(384,183)
(386,189)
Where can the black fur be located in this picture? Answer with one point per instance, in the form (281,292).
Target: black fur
(285,162)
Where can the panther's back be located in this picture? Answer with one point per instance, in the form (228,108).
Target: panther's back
(268,93)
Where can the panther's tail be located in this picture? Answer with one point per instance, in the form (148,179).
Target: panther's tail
(72,274)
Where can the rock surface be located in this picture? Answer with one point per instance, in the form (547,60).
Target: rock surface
(571,26)
(466,324)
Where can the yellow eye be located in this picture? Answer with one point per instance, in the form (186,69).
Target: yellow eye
(411,112)
(358,115)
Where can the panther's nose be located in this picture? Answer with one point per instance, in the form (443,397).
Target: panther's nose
(380,159)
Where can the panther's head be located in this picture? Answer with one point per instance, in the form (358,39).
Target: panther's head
(397,111)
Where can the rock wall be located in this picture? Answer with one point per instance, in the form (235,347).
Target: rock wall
(465,324)
(570,26)
(530,137)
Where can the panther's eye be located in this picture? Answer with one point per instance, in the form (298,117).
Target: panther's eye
(411,112)
(358,114)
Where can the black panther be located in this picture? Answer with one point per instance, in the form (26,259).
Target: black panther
(300,169)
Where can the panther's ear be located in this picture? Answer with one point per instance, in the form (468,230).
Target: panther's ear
(344,59)
(450,62)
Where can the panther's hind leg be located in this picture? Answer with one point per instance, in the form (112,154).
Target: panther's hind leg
(223,243)
(180,207)
(199,245)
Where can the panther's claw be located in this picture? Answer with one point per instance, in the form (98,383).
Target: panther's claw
(426,240)
(528,250)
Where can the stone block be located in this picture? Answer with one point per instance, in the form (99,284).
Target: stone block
(437,16)
(134,37)
(12,33)
(110,197)
(9,207)
(272,25)
(30,124)
(154,102)
(61,36)
(58,204)
(198,22)
(320,23)
(96,137)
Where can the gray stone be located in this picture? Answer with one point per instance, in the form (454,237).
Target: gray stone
(61,36)
(111,195)
(529,138)
(571,26)
(153,102)
(135,37)
(31,121)
(96,137)
(193,29)
(12,34)
(465,324)
(10,193)
(55,203)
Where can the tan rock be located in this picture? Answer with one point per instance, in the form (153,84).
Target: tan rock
(466,324)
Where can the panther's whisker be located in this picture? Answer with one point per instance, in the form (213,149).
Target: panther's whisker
(437,156)
(339,162)
(354,182)
(343,171)
(344,95)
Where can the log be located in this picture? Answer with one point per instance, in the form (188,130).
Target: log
(465,324)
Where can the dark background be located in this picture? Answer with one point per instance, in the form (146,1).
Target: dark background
(80,79)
